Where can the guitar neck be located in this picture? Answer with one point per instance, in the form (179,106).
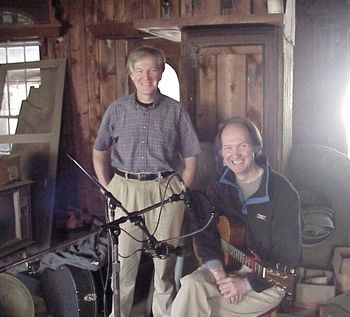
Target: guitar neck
(241,257)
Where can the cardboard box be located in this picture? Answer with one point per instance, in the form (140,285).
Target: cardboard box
(342,301)
(338,306)
(10,169)
(314,288)
(333,310)
(341,266)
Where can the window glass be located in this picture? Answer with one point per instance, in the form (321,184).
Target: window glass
(15,54)
(2,55)
(32,53)
(17,84)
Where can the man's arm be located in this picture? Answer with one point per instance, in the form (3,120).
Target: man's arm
(189,170)
(100,161)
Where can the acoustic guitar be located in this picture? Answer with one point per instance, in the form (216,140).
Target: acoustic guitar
(284,278)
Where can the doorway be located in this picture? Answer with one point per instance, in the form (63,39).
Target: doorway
(169,84)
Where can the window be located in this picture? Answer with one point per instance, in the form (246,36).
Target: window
(7,17)
(17,84)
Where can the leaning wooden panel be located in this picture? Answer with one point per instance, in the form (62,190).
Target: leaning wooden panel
(232,79)
(37,140)
(206,108)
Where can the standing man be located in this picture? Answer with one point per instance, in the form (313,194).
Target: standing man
(151,138)
(247,192)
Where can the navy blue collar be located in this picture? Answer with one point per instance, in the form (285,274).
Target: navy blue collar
(261,195)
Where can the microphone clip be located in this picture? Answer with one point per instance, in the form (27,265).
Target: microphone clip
(163,250)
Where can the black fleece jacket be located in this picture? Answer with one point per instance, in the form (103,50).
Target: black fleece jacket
(271,217)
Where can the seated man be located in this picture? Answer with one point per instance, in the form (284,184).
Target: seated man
(247,192)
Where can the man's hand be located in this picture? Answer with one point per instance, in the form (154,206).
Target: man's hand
(218,272)
(233,288)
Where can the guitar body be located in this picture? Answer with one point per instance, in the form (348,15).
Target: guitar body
(233,234)
(233,242)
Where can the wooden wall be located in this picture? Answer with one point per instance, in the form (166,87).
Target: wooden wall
(96,75)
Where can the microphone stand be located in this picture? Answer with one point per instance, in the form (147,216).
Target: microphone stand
(114,235)
(114,229)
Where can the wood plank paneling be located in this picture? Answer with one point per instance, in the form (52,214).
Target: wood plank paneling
(79,100)
(133,10)
(239,85)
(213,8)
(259,7)
(97,70)
(204,8)
(175,8)
(206,110)
(255,100)
(186,8)
(121,70)
(119,10)
(231,86)
(106,11)
(243,7)
(107,72)
(152,9)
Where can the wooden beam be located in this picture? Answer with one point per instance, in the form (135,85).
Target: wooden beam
(116,31)
(28,31)
(171,28)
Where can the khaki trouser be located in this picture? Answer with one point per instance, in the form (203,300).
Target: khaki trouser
(199,297)
(136,195)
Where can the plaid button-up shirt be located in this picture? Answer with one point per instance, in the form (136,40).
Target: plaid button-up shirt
(152,139)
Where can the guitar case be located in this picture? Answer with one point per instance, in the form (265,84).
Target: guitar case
(70,292)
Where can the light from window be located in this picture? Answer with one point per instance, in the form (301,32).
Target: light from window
(7,17)
(346,115)
(169,84)
(17,85)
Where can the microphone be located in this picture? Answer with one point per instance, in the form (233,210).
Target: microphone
(186,196)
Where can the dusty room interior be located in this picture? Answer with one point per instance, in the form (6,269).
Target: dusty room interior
(283,64)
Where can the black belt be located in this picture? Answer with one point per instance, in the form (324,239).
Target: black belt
(143,176)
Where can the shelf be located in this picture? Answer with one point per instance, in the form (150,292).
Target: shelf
(116,31)
(171,28)
(28,31)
